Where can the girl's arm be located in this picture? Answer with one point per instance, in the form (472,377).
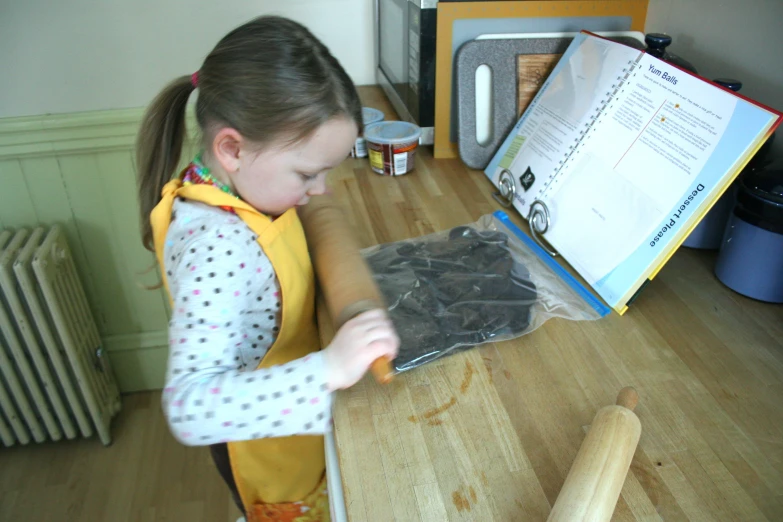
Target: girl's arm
(224,319)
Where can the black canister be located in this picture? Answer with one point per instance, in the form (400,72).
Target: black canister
(751,254)
(760,199)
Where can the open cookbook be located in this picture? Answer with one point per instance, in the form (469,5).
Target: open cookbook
(619,156)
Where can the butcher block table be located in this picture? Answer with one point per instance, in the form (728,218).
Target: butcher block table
(490,434)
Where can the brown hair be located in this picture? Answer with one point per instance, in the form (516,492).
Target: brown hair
(268,79)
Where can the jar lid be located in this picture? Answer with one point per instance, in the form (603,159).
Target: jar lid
(370,115)
(392,132)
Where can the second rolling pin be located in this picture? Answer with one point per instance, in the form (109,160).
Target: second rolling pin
(597,475)
(343,275)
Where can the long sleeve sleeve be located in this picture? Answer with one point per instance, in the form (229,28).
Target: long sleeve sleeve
(226,307)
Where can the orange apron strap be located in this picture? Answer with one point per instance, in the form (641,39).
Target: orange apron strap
(160,219)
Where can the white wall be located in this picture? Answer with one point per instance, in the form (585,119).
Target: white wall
(740,39)
(81,55)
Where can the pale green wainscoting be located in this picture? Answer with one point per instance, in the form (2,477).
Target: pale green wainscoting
(78,170)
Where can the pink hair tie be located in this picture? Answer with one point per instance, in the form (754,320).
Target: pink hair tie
(194,79)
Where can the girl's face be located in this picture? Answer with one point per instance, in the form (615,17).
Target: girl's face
(281,177)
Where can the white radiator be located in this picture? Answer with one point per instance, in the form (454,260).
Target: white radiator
(55,377)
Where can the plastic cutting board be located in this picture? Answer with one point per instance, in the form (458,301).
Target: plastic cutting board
(488,98)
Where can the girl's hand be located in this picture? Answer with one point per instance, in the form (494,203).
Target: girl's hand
(357,344)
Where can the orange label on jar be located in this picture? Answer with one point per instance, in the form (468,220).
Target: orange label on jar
(405,147)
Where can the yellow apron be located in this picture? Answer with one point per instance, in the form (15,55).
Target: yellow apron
(281,479)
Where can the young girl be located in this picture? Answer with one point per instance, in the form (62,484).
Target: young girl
(245,374)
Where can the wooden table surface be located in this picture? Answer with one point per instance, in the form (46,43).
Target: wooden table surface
(490,434)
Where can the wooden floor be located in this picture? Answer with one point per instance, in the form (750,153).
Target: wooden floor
(144,476)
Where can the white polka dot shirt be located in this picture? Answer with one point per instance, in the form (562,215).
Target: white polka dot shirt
(225,316)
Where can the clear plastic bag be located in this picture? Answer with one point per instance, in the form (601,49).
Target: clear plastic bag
(477,283)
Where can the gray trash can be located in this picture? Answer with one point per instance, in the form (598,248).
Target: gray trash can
(750,261)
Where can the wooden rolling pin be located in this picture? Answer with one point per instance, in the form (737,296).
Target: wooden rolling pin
(343,275)
(593,484)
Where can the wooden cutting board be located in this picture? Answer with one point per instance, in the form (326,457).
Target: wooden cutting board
(532,70)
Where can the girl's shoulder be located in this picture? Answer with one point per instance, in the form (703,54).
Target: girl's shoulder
(208,233)
(195,221)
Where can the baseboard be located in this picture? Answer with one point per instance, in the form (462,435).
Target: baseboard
(139,360)
(140,370)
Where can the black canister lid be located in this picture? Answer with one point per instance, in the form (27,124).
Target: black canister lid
(729,83)
(656,46)
(657,41)
(760,199)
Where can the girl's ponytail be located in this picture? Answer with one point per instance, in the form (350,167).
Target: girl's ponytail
(270,79)
(158,148)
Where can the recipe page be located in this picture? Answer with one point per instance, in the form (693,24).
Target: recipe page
(556,122)
(642,155)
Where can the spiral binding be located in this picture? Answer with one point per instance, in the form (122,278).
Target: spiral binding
(584,134)
(539,209)
(538,216)
(508,189)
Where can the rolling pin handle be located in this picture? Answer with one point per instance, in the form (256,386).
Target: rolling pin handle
(628,398)
(381,368)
